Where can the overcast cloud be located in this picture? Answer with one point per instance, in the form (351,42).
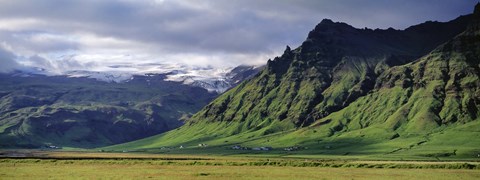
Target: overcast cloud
(85,34)
(8,61)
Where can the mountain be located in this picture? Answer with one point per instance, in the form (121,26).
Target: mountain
(349,91)
(218,81)
(38,110)
(210,78)
(91,109)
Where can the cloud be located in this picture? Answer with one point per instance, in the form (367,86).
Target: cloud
(207,32)
(7,61)
(60,64)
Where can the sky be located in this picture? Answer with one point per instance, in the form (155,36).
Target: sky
(61,35)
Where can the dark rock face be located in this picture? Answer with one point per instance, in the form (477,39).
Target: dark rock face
(477,9)
(242,73)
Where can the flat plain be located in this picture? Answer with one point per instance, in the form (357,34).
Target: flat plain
(93,165)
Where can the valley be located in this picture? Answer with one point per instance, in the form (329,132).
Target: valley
(344,103)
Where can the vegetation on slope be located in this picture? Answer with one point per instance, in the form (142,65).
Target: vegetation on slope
(350,91)
(37,111)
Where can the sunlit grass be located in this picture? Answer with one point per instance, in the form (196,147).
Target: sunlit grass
(158,169)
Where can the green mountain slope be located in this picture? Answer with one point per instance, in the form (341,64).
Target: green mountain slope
(349,91)
(79,112)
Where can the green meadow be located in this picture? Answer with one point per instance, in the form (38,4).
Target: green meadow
(94,165)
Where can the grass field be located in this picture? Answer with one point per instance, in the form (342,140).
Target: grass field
(88,165)
(78,170)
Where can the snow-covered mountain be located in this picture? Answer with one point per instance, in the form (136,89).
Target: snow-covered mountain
(212,79)
(112,76)
(218,80)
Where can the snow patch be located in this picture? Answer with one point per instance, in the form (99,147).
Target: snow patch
(212,79)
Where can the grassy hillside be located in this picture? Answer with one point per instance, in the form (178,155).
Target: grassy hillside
(352,93)
(78,112)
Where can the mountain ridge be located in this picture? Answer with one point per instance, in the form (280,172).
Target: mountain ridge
(353,91)
(90,109)
(212,79)
(324,56)
(38,110)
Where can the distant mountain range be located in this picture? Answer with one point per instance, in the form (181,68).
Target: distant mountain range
(89,109)
(210,78)
(224,79)
(348,91)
